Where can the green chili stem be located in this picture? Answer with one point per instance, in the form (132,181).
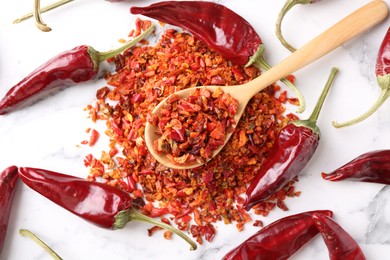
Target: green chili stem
(135,215)
(286,7)
(43,9)
(311,122)
(384,83)
(102,56)
(38,20)
(258,60)
(29,234)
(316,111)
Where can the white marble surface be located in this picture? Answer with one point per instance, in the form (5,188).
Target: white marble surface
(46,134)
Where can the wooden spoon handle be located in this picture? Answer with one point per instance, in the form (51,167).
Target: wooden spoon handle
(354,24)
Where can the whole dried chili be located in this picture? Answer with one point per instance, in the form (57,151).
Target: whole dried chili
(340,244)
(286,7)
(8,181)
(192,128)
(96,202)
(382,72)
(292,150)
(144,77)
(77,65)
(372,166)
(280,239)
(219,27)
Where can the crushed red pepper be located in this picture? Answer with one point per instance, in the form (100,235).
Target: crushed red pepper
(190,129)
(198,198)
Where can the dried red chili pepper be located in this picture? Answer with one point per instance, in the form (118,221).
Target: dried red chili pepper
(219,27)
(292,150)
(372,166)
(382,72)
(280,239)
(286,7)
(99,203)
(235,39)
(340,244)
(8,181)
(77,65)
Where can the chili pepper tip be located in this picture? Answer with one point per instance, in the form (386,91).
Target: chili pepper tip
(329,177)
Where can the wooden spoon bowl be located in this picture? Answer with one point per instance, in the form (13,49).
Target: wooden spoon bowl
(354,24)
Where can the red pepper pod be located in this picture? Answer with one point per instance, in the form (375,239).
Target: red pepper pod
(8,181)
(98,203)
(341,245)
(278,240)
(68,68)
(372,166)
(219,27)
(292,150)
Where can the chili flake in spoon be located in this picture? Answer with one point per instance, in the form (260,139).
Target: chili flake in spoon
(192,128)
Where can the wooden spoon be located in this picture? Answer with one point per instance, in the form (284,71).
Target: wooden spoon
(357,22)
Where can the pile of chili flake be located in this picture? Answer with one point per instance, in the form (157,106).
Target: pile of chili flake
(191,129)
(193,200)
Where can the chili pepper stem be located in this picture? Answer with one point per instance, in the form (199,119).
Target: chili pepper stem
(314,115)
(38,20)
(43,10)
(286,7)
(103,56)
(29,234)
(132,215)
(384,83)
(258,60)
(312,120)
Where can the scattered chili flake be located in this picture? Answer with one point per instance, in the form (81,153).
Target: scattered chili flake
(153,229)
(258,223)
(194,199)
(293,101)
(93,137)
(168,234)
(140,25)
(84,142)
(207,231)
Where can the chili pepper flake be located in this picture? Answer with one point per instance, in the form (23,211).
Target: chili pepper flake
(195,200)
(192,128)
(94,136)
(152,230)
